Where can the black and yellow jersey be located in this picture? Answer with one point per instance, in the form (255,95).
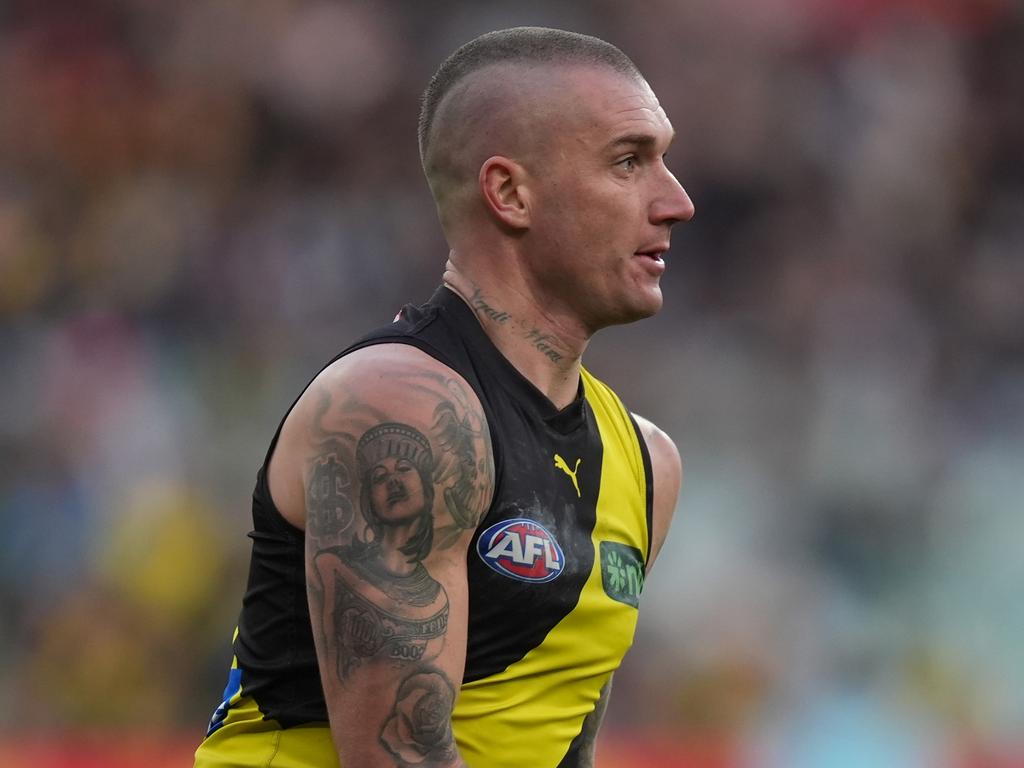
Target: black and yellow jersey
(555,570)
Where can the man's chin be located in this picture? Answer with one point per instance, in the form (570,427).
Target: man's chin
(649,303)
(635,310)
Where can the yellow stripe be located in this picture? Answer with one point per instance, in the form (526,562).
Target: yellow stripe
(613,419)
(530,713)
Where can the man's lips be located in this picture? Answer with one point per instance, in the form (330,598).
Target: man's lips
(655,252)
(651,259)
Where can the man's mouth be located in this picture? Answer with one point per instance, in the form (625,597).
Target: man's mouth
(655,253)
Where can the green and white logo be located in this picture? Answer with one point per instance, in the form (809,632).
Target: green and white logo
(622,572)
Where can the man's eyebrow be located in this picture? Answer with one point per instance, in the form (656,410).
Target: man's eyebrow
(636,140)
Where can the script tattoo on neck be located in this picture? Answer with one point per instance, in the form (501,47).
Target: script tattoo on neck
(487,309)
(544,343)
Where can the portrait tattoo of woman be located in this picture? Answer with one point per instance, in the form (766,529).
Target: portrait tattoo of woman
(379,599)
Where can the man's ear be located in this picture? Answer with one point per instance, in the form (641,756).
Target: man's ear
(502,183)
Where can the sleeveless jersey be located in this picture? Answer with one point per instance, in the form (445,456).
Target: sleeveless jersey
(555,569)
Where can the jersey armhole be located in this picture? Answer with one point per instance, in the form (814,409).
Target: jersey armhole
(645,455)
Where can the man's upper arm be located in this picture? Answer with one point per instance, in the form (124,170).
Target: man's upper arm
(667,468)
(397,470)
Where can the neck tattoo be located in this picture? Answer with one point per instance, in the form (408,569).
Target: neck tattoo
(481,305)
(543,342)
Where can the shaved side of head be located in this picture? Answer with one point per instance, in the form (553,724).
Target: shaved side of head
(492,96)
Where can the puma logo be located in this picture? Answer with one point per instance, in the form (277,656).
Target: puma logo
(561,464)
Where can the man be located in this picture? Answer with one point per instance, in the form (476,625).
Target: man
(454,520)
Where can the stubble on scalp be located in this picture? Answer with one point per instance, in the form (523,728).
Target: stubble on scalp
(523,111)
(492,97)
(503,109)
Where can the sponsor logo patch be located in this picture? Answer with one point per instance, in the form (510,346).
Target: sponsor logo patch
(521,549)
(622,572)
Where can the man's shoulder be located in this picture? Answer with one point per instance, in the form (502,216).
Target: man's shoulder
(656,438)
(384,392)
(390,382)
(372,362)
(420,336)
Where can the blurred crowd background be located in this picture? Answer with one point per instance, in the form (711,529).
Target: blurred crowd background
(201,202)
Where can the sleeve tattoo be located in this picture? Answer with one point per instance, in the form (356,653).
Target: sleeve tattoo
(379,501)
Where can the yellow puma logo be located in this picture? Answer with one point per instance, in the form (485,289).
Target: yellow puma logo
(560,463)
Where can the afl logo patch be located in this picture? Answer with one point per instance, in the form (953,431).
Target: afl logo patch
(521,549)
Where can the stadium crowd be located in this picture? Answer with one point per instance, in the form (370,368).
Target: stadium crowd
(201,202)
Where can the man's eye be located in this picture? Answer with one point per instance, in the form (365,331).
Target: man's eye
(627,163)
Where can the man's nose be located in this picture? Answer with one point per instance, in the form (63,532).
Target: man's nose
(673,204)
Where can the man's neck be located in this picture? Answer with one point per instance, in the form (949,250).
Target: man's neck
(541,348)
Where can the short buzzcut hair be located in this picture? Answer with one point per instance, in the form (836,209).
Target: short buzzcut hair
(524,45)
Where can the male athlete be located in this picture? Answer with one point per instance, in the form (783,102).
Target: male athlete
(454,521)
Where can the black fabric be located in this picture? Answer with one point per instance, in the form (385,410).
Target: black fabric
(507,617)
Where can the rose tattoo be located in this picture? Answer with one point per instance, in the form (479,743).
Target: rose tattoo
(419,729)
